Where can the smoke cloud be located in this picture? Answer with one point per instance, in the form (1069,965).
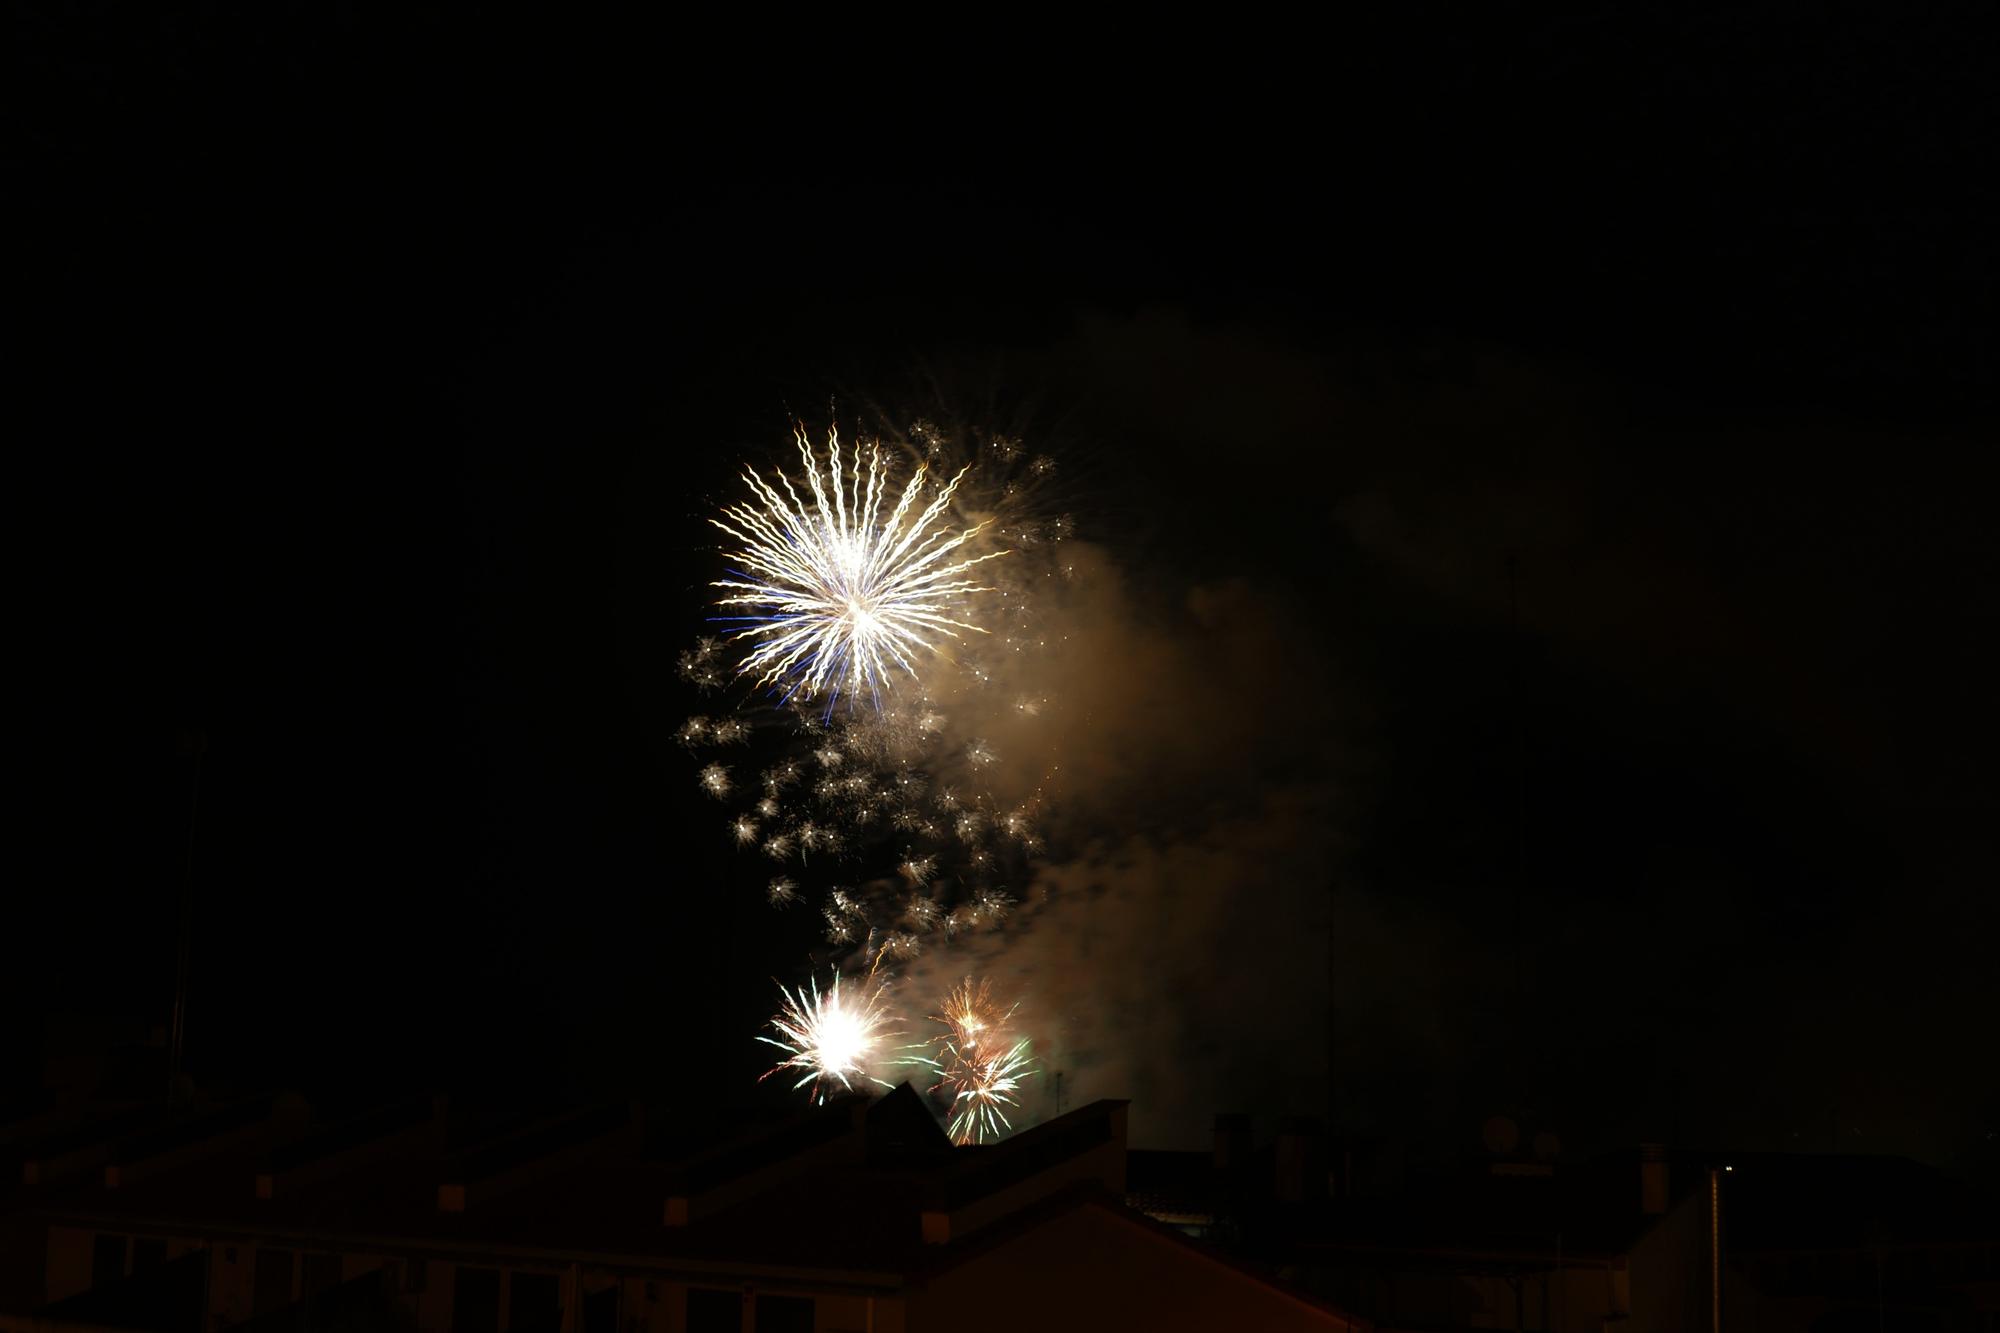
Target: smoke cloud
(1173,948)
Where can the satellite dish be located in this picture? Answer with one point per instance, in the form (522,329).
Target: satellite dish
(1502,1135)
(1547,1147)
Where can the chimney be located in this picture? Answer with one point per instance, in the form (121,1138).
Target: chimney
(1299,1174)
(1653,1178)
(1232,1142)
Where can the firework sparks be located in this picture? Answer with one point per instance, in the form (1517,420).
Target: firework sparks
(846,585)
(979,1066)
(899,945)
(991,907)
(982,1088)
(969,1013)
(836,595)
(830,1037)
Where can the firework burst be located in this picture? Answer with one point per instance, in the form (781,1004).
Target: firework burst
(834,596)
(982,1088)
(891,702)
(829,1037)
(978,1065)
(969,1014)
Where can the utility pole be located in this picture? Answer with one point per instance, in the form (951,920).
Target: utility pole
(1332,1014)
(1520,811)
(194,744)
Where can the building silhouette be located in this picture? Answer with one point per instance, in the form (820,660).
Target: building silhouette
(855,1215)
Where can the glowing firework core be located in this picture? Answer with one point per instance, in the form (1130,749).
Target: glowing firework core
(834,593)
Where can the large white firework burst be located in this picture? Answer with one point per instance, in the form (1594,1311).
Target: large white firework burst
(829,1037)
(835,596)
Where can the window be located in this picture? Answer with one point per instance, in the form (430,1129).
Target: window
(107,1260)
(784,1314)
(271,1287)
(475,1301)
(712,1311)
(600,1311)
(149,1254)
(534,1303)
(322,1271)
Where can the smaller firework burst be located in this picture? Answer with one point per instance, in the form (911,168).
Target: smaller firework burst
(782,892)
(982,1087)
(969,1013)
(744,829)
(831,1037)
(715,781)
(702,664)
(991,907)
(980,1065)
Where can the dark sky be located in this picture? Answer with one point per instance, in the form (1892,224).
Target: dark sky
(373,385)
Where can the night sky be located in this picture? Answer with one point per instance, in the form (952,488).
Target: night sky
(1564,450)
